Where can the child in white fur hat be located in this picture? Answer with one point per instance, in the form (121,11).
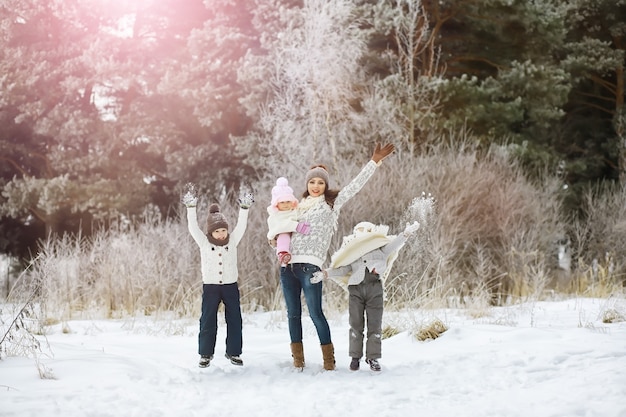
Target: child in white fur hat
(362,264)
(282,219)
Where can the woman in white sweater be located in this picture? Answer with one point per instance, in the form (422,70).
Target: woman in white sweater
(319,207)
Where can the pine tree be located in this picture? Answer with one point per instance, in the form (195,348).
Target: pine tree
(595,56)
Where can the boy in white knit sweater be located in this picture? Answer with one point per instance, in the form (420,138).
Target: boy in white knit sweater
(218,257)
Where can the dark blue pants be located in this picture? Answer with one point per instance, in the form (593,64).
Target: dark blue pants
(295,280)
(212,296)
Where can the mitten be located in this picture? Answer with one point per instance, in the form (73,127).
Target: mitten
(304,228)
(318,276)
(246,200)
(190,199)
(411,228)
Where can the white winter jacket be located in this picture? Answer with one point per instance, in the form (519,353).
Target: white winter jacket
(281,222)
(218,263)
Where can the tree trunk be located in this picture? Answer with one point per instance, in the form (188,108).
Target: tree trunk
(619,122)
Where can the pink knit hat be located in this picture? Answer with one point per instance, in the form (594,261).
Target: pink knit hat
(283,192)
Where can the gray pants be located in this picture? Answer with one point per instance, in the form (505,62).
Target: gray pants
(366,301)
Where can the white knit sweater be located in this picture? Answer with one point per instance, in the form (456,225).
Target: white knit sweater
(218,263)
(313,248)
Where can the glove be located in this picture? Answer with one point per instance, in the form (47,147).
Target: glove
(304,228)
(318,276)
(411,228)
(381,153)
(190,199)
(246,200)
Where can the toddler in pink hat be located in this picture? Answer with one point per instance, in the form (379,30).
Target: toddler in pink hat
(282,219)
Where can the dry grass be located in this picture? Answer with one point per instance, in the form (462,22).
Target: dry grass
(599,243)
(612,316)
(390,331)
(430,331)
(122,271)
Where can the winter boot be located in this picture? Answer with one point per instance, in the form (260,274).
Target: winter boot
(234,359)
(328,353)
(284,258)
(205,361)
(374,365)
(354,364)
(297,353)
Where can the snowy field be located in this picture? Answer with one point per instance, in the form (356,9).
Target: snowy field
(543,359)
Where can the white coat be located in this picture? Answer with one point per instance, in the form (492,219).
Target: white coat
(218,263)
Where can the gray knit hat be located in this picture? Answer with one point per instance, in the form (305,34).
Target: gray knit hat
(215,220)
(318,171)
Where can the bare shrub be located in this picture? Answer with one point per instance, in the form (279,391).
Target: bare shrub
(21,329)
(599,238)
(493,229)
(124,270)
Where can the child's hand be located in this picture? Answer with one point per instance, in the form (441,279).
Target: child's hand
(246,200)
(190,199)
(411,228)
(304,228)
(318,276)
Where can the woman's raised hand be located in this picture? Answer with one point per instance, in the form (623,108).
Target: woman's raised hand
(381,152)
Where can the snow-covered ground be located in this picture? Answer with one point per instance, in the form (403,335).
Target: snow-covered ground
(532,360)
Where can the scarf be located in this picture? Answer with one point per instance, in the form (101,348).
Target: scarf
(216,242)
(309,203)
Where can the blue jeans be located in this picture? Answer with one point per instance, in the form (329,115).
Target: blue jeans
(295,279)
(212,296)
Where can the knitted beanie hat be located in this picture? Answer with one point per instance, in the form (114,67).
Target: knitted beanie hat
(215,220)
(283,192)
(318,171)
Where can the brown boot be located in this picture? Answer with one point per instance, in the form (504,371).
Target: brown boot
(297,352)
(328,352)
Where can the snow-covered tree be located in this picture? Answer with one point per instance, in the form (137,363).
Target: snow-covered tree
(311,81)
(403,100)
